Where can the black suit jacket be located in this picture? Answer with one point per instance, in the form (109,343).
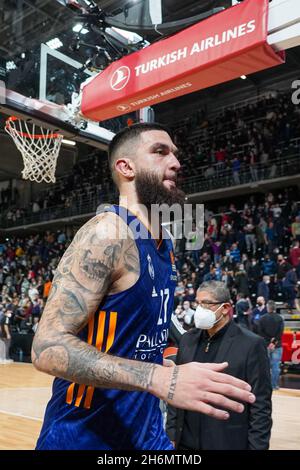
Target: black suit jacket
(248,360)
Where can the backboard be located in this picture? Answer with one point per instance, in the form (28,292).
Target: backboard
(41,67)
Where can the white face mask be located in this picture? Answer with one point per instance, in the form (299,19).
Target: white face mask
(205,318)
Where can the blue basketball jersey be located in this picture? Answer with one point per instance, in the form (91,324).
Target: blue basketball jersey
(132,324)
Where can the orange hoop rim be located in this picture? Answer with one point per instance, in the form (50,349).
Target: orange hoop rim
(26,134)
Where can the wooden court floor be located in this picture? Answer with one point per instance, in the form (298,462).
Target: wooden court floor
(24,393)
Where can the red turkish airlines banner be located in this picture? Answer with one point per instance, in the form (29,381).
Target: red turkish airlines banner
(223,47)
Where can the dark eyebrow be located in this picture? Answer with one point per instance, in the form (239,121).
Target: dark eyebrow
(157,145)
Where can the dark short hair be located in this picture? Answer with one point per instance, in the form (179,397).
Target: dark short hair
(130,133)
(271,305)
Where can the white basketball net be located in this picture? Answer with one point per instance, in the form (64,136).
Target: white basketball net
(39,149)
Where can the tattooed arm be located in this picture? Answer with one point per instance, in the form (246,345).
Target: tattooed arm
(91,268)
(94,264)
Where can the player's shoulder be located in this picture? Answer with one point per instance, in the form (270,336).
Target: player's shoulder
(105,226)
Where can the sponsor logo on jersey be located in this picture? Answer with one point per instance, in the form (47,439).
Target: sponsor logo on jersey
(151,346)
(154,293)
(150,267)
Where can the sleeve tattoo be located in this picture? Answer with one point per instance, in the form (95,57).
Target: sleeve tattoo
(83,277)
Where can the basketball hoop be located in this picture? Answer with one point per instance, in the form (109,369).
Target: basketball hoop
(39,149)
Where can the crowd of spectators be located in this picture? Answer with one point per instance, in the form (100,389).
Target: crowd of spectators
(254,249)
(252,137)
(87,185)
(27,266)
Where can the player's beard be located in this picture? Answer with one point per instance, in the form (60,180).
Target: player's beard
(151,190)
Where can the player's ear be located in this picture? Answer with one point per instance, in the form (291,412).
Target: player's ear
(125,167)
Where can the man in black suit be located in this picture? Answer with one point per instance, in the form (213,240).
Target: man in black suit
(217,338)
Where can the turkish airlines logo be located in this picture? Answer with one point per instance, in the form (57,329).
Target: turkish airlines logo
(120,78)
(123,107)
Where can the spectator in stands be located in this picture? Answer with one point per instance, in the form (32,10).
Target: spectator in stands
(263,289)
(268,266)
(270,327)
(190,293)
(201,271)
(235,217)
(296,229)
(247,357)
(250,236)
(253,165)
(188,313)
(179,291)
(257,313)
(276,210)
(33,292)
(194,243)
(236,168)
(216,247)
(5,327)
(212,229)
(235,253)
(61,238)
(282,268)
(220,158)
(211,275)
(37,309)
(289,287)
(35,207)
(295,257)
(218,272)
(210,172)
(227,261)
(242,310)
(254,275)
(227,278)
(270,237)
(225,220)
(297,300)
(241,280)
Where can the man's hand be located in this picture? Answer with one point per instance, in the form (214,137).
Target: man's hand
(202,388)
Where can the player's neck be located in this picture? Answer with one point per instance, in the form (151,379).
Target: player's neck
(148,218)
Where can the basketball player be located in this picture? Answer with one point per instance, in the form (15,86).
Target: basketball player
(106,321)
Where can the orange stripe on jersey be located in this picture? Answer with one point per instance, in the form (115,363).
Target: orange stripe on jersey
(111,331)
(89,397)
(79,394)
(159,244)
(109,343)
(91,330)
(99,343)
(100,331)
(70,394)
(70,391)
